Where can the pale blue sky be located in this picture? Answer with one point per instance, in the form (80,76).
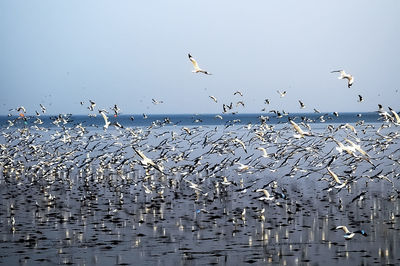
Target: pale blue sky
(59,53)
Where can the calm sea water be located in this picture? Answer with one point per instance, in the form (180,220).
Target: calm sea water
(195,119)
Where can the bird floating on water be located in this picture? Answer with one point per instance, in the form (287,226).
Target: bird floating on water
(197,69)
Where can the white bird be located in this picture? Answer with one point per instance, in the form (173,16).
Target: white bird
(92,105)
(383,113)
(156,102)
(349,235)
(344,75)
(226,182)
(213,98)
(357,147)
(282,94)
(334,176)
(106,122)
(197,69)
(266,196)
(264,151)
(147,161)
(299,130)
(21,108)
(242,167)
(241,143)
(302,105)
(396,116)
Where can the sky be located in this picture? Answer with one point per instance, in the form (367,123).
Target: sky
(59,53)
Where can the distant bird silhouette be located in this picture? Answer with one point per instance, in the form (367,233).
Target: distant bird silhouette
(282,94)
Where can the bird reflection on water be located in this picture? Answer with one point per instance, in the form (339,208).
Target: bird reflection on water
(77,194)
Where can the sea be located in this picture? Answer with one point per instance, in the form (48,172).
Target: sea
(200,189)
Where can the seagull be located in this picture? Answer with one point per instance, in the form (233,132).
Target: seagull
(360,98)
(225,182)
(238,92)
(344,75)
(349,235)
(302,106)
(43,108)
(240,103)
(106,122)
(396,116)
(266,101)
(357,147)
(242,167)
(282,94)
(116,110)
(197,69)
(264,151)
(266,196)
(334,176)
(213,98)
(21,108)
(92,105)
(156,102)
(240,142)
(299,130)
(147,161)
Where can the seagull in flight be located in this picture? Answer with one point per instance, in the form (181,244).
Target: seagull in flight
(197,69)
(106,122)
(238,92)
(344,75)
(156,102)
(348,234)
(213,98)
(282,94)
(302,105)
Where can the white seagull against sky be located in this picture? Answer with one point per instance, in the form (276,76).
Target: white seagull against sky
(197,69)
(344,75)
(282,94)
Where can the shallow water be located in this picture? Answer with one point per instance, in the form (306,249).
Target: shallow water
(72,197)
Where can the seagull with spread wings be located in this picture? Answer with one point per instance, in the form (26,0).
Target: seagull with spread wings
(197,69)
(344,75)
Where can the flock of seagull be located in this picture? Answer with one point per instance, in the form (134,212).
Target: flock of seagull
(205,163)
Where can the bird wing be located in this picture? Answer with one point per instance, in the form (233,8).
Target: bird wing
(104,117)
(194,62)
